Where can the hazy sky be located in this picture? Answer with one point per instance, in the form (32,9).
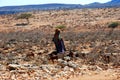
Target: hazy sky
(28,2)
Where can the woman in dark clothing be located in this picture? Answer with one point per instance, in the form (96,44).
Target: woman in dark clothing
(58,41)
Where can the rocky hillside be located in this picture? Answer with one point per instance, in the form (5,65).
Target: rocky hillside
(93,48)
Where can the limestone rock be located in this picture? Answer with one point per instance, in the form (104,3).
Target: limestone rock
(67,58)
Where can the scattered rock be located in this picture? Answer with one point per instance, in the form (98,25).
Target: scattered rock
(72,64)
(2,67)
(94,68)
(11,67)
(67,58)
(85,51)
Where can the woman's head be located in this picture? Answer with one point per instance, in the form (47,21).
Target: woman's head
(57,31)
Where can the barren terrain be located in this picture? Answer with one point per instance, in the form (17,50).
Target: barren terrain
(25,49)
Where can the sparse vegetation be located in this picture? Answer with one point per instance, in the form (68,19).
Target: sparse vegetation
(113,25)
(25,16)
(25,51)
(61,27)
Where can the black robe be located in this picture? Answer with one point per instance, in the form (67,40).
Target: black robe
(59,44)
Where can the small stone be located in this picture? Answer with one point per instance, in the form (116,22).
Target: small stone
(93,68)
(85,51)
(26,40)
(45,76)
(58,67)
(60,61)
(67,58)
(66,68)
(65,63)
(71,69)
(25,75)
(41,51)
(71,64)
(44,68)
(13,66)
(34,48)
(99,69)
(84,67)
(2,67)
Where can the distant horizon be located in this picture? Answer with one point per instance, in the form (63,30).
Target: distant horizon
(4,3)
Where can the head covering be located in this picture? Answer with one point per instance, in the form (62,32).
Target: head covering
(57,31)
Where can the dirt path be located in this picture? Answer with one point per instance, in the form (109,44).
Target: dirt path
(104,75)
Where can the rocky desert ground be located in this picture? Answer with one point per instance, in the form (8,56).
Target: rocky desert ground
(95,48)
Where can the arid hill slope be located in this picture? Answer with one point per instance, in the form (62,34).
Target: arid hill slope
(25,49)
